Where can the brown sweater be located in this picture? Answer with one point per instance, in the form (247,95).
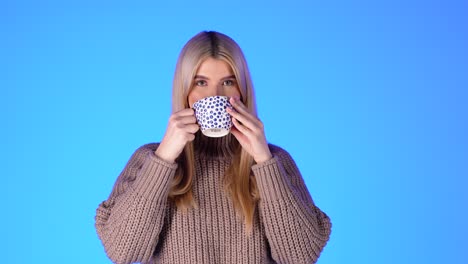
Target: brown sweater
(138,223)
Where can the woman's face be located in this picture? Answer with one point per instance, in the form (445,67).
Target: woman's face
(214,77)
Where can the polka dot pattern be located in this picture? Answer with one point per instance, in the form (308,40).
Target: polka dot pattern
(212,116)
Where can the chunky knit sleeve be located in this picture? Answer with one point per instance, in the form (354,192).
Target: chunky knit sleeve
(130,220)
(296,228)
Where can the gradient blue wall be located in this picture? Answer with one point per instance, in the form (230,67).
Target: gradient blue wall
(369,98)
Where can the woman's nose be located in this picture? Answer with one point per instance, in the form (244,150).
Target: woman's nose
(216,90)
(220,90)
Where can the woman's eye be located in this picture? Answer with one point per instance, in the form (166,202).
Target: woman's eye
(200,83)
(228,82)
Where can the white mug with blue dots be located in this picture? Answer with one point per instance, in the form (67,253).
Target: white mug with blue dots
(212,116)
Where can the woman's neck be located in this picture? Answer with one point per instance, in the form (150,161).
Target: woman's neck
(222,147)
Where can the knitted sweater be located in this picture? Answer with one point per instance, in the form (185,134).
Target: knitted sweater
(138,223)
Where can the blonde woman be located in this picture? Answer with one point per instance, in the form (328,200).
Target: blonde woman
(195,199)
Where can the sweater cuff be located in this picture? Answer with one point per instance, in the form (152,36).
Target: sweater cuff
(154,178)
(271,180)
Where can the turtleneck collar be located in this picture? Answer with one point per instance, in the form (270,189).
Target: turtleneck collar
(222,147)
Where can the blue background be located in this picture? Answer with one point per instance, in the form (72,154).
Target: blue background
(369,97)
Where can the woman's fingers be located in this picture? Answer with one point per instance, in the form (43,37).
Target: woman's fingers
(238,135)
(185,116)
(236,116)
(181,129)
(186,120)
(241,108)
(249,131)
(244,112)
(185,112)
(239,117)
(248,122)
(191,128)
(240,126)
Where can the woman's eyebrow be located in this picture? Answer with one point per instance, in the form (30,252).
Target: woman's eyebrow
(201,77)
(229,77)
(206,78)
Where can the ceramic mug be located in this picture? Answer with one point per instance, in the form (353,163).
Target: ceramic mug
(212,116)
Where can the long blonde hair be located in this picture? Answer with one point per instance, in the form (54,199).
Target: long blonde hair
(239,182)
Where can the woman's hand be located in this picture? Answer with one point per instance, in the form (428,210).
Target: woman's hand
(180,130)
(248,130)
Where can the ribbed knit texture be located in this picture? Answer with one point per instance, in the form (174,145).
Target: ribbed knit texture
(138,223)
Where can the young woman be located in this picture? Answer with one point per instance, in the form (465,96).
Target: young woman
(195,199)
